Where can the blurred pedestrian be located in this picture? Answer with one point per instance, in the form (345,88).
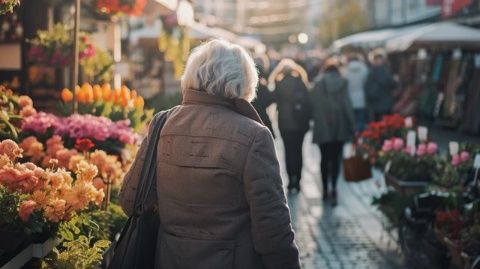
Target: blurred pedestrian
(334,124)
(215,163)
(264,96)
(294,112)
(356,73)
(380,87)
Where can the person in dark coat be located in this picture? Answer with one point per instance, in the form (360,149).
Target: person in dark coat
(219,191)
(379,88)
(291,96)
(264,96)
(334,124)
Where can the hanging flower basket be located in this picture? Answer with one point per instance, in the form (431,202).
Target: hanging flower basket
(116,7)
(7,6)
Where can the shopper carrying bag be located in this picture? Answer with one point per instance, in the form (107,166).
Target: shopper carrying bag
(220,198)
(136,247)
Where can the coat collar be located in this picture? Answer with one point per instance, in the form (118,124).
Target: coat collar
(192,97)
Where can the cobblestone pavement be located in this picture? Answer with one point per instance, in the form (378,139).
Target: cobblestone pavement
(351,235)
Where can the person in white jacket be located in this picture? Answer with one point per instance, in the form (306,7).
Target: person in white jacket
(356,73)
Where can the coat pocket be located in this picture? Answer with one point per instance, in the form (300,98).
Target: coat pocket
(185,253)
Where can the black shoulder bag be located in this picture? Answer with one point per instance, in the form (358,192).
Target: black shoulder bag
(138,240)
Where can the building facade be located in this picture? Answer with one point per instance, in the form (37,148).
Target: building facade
(391,13)
(271,20)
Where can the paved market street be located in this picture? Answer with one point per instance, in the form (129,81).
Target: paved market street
(352,234)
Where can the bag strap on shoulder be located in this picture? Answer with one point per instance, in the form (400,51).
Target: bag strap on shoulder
(148,173)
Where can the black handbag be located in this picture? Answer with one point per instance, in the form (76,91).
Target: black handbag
(137,244)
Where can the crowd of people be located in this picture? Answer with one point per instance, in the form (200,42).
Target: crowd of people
(340,100)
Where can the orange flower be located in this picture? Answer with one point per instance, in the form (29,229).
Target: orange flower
(97,92)
(39,197)
(124,102)
(67,95)
(107,92)
(11,149)
(55,210)
(28,111)
(24,101)
(87,90)
(139,102)
(32,148)
(118,96)
(125,92)
(133,94)
(26,209)
(80,94)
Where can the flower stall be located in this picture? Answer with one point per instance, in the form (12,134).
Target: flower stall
(433,198)
(60,175)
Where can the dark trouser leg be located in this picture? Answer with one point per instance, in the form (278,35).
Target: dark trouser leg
(336,154)
(298,154)
(360,119)
(288,142)
(325,165)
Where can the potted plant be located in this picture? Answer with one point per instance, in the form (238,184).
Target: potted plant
(35,201)
(406,171)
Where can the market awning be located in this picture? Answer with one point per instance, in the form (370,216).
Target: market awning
(369,39)
(440,35)
(372,39)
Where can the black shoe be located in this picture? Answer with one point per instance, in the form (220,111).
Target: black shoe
(293,183)
(334,198)
(296,185)
(325,196)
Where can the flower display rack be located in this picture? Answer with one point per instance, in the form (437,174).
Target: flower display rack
(405,188)
(37,250)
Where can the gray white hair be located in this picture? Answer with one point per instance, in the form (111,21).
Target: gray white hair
(221,68)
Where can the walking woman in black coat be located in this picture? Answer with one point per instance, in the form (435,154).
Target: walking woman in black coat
(264,96)
(291,95)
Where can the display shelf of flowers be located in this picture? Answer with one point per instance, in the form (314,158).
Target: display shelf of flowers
(60,175)
(424,171)
(50,55)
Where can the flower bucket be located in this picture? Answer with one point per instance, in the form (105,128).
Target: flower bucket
(11,244)
(405,188)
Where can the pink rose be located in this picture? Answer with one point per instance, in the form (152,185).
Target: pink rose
(387,146)
(26,209)
(408,150)
(421,150)
(98,183)
(455,160)
(432,148)
(398,143)
(464,156)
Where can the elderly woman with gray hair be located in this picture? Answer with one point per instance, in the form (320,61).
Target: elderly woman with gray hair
(220,196)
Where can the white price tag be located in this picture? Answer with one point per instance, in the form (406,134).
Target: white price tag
(422,133)
(348,151)
(408,122)
(453,147)
(476,163)
(412,141)
(388,166)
